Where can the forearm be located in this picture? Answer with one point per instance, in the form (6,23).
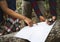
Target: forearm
(8,11)
(14,14)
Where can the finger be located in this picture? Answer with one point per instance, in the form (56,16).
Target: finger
(30,24)
(48,23)
(35,22)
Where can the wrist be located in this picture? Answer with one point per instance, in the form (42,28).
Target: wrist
(24,18)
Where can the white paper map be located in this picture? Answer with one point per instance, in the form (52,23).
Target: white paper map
(36,33)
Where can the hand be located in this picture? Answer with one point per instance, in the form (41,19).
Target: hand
(28,21)
(53,18)
(42,19)
(49,21)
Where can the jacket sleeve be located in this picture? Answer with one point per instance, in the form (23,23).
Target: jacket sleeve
(36,8)
(52,4)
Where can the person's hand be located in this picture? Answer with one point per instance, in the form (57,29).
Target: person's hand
(53,18)
(42,19)
(29,21)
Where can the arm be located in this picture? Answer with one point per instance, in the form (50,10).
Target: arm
(52,4)
(37,10)
(10,12)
